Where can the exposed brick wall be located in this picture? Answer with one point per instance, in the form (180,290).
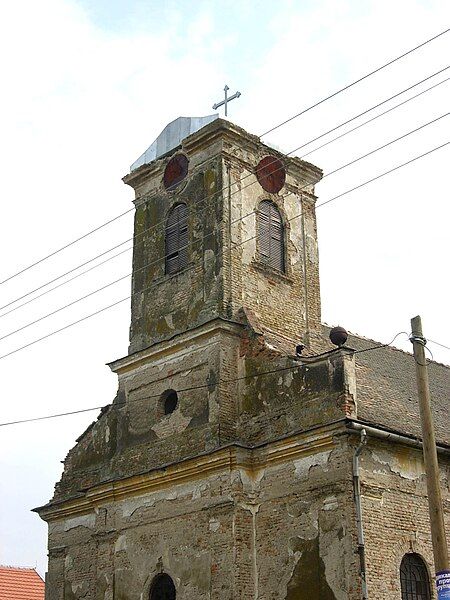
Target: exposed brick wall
(395,513)
(224,271)
(275,520)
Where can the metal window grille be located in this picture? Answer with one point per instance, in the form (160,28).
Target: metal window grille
(177,239)
(271,235)
(414,579)
(163,588)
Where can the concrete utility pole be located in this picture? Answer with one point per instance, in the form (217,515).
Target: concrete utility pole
(440,550)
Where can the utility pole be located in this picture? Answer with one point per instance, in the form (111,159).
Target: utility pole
(438,537)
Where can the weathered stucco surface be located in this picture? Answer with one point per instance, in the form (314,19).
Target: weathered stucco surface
(224,272)
(245,490)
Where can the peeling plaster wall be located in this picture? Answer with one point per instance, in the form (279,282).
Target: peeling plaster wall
(287,303)
(306,530)
(166,304)
(225,401)
(299,396)
(395,513)
(135,435)
(281,532)
(224,272)
(184,531)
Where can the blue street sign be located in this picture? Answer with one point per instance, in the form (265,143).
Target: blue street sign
(443,585)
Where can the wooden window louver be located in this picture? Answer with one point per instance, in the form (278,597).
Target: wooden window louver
(271,235)
(177,239)
(414,578)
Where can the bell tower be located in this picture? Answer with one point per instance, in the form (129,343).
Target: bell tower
(215,473)
(223,223)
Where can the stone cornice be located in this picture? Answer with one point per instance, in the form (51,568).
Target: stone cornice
(223,460)
(175,343)
(226,135)
(231,135)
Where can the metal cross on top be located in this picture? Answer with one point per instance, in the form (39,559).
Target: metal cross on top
(225,102)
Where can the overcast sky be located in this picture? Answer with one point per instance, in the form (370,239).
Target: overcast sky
(88,85)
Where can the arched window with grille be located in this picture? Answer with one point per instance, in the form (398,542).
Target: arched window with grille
(176,251)
(162,588)
(414,578)
(270,235)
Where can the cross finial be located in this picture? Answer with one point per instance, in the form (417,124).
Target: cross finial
(225,102)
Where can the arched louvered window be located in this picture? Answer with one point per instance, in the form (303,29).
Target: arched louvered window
(270,235)
(163,588)
(177,239)
(414,578)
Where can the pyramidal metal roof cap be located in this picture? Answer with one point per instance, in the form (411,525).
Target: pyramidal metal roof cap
(171,136)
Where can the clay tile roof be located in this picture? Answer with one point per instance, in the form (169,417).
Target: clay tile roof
(18,583)
(387,391)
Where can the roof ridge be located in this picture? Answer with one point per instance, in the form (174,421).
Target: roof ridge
(389,346)
(18,568)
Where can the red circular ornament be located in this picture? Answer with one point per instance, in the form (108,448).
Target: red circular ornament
(175,171)
(271,174)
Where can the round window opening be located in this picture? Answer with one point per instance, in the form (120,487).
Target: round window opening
(175,171)
(271,174)
(170,401)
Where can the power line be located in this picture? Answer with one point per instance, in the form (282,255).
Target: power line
(65,282)
(439,344)
(305,110)
(385,112)
(383,174)
(204,199)
(241,243)
(54,416)
(82,237)
(162,258)
(364,112)
(308,359)
(68,273)
(262,135)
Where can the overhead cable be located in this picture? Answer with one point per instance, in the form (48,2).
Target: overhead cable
(301,365)
(164,257)
(241,243)
(205,198)
(329,97)
(353,83)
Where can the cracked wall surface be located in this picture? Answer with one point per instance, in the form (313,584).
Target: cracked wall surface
(245,489)
(267,528)
(395,509)
(224,271)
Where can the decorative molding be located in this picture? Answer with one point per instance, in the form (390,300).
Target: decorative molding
(224,460)
(178,342)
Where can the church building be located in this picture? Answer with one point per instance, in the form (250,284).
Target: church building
(246,456)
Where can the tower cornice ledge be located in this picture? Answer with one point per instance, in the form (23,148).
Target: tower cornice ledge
(176,342)
(224,135)
(233,135)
